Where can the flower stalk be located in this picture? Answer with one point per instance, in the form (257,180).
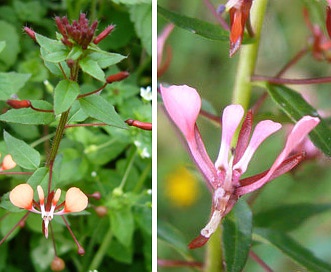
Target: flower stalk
(248,57)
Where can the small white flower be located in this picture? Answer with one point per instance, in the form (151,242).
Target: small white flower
(146,93)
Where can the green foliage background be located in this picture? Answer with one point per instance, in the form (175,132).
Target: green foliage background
(116,162)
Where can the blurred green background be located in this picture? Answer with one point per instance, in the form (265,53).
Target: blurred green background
(205,65)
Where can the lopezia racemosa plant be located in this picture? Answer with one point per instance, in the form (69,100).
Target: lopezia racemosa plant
(223,178)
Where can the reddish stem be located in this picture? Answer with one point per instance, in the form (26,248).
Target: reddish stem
(211,117)
(93,92)
(86,125)
(13,228)
(289,81)
(15,173)
(42,110)
(260,261)
(293,61)
(219,18)
(81,250)
(176,263)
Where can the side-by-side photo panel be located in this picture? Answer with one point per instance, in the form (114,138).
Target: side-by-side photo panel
(244,140)
(76,135)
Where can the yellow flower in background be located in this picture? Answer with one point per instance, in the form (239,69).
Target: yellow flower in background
(181,187)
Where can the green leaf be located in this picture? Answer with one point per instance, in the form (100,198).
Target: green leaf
(237,236)
(105,59)
(97,107)
(23,154)
(288,217)
(202,28)
(92,68)
(8,34)
(52,50)
(75,52)
(292,249)
(295,108)
(39,177)
(11,83)
(119,252)
(141,15)
(172,236)
(27,117)
(122,225)
(2,45)
(65,94)
(30,11)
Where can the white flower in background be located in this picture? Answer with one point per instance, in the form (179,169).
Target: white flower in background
(146,93)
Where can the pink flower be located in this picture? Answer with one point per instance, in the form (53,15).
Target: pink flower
(183,104)
(161,40)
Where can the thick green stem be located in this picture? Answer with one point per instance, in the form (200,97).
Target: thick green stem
(248,57)
(102,250)
(213,260)
(57,138)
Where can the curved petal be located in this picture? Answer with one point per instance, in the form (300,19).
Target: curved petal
(161,40)
(298,133)
(262,131)
(8,162)
(183,105)
(75,201)
(22,196)
(232,116)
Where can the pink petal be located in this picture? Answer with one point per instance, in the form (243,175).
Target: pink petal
(262,131)
(183,105)
(202,160)
(161,40)
(298,133)
(232,116)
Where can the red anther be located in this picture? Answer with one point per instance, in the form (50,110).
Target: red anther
(138,124)
(30,32)
(19,104)
(81,251)
(95,195)
(103,34)
(198,242)
(117,77)
(101,211)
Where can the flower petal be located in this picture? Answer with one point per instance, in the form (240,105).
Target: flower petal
(298,133)
(75,201)
(8,162)
(22,196)
(232,116)
(161,40)
(183,105)
(262,131)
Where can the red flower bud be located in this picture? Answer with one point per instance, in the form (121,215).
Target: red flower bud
(103,34)
(30,32)
(138,124)
(19,104)
(117,77)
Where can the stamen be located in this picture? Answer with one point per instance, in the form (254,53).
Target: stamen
(81,250)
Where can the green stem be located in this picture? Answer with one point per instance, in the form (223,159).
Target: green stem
(101,251)
(213,260)
(57,138)
(248,57)
(131,159)
(143,176)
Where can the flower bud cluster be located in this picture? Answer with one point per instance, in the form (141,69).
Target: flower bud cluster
(78,31)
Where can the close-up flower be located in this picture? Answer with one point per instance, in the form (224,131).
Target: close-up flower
(22,197)
(183,105)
